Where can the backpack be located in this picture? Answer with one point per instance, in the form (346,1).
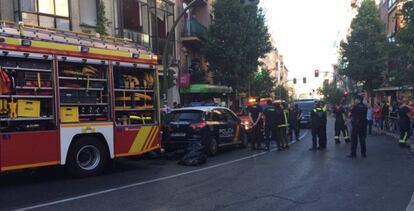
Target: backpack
(5,82)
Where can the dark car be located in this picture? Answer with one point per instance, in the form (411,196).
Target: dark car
(306,106)
(213,127)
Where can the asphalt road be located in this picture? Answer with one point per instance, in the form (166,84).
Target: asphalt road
(236,179)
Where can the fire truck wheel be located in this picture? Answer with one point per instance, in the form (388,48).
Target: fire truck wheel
(86,157)
(212,147)
(244,140)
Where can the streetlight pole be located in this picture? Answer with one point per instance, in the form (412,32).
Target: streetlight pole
(165,59)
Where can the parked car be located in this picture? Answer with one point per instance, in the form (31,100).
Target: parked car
(213,127)
(306,106)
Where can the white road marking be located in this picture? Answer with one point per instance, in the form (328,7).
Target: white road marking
(145,182)
(410,206)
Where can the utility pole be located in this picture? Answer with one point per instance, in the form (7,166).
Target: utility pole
(167,48)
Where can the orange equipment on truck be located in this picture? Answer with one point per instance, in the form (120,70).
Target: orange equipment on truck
(63,103)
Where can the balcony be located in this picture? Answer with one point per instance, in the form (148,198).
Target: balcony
(139,38)
(199,3)
(194,33)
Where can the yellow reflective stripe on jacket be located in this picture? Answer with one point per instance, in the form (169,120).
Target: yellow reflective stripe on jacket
(285,113)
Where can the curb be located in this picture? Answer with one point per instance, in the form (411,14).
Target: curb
(396,137)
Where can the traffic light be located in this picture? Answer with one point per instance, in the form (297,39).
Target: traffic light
(294,81)
(304,80)
(316,73)
(171,78)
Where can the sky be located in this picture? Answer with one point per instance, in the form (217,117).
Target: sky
(305,32)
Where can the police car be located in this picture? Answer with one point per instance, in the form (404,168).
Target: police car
(213,127)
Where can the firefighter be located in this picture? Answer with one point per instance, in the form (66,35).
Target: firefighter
(294,120)
(255,116)
(270,124)
(340,125)
(359,127)
(283,124)
(404,114)
(318,121)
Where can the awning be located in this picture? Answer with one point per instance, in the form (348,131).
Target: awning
(206,88)
(393,89)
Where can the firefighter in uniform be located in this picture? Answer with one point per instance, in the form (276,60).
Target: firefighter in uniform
(294,121)
(283,124)
(404,114)
(255,116)
(318,121)
(270,124)
(340,125)
(359,127)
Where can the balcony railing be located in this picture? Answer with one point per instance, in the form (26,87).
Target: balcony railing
(139,38)
(195,29)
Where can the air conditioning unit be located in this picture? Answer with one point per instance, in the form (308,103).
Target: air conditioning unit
(250,2)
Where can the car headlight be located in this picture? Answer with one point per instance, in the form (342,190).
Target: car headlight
(247,125)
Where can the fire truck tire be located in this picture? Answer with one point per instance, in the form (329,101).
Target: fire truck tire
(212,147)
(87,157)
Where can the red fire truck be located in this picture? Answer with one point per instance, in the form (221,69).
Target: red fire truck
(75,100)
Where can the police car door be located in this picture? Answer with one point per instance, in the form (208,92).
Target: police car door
(234,125)
(229,127)
(220,122)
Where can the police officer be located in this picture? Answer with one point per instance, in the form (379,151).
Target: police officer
(404,114)
(283,124)
(359,127)
(318,121)
(255,116)
(340,125)
(294,120)
(270,124)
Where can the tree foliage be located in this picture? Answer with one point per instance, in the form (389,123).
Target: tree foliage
(281,93)
(237,38)
(263,84)
(402,60)
(101,20)
(364,54)
(330,92)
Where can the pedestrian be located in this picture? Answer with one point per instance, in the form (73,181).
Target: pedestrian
(255,116)
(318,122)
(294,114)
(377,117)
(359,127)
(340,125)
(270,124)
(282,118)
(404,116)
(385,112)
(370,118)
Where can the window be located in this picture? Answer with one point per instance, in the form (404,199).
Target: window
(88,12)
(45,13)
(391,3)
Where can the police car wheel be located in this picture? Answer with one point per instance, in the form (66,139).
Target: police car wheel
(212,147)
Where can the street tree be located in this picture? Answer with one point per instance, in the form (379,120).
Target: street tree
(364,53)
(281,92)
(330,92)
(263,84)
(402,62)
(237,38)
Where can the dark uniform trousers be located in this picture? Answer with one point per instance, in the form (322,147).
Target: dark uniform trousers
(256,135)
(404,132)
(294,127)
(282,136)
(318,137)
(271,133)
(359,134)
(340,126)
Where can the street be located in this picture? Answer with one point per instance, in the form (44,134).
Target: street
(236,179)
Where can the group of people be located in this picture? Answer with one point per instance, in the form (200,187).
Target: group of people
(384,116)
(358,115)
(277,121)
